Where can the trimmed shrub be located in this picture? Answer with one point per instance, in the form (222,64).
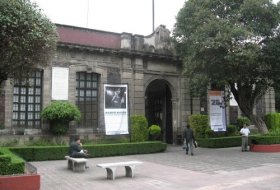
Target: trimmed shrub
(61,111)
(59,127)
(231,130)
(273,132)
(272,120)
(59,114)
(241,121)
(139,128)
(199,123)
(98,150)
(154,132)
(209,133)
(10,163)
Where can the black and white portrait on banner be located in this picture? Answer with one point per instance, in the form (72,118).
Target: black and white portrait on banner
(115,97)
(115,109)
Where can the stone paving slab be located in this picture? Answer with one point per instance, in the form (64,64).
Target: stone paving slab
(217,169)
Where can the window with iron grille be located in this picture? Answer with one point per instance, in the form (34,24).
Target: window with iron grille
(27,101)
(87,98)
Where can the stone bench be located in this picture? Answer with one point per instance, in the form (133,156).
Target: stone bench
(76,164)
(112,167)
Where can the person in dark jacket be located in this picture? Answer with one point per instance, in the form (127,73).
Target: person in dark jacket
(190,140)
(76,150)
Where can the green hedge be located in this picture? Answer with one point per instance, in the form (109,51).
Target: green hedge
(221,142)
(272,120)
(41,153)
(100,150)
(10,163)
(265,139)
(235,141)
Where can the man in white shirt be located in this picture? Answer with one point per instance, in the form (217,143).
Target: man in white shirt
(245,133)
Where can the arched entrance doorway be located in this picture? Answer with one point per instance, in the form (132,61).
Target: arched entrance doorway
(158,107)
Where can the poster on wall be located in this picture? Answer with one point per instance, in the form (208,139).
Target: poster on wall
(217,111)
(60,83)
(116,109)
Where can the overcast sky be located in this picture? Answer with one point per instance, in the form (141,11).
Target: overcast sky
(132,16)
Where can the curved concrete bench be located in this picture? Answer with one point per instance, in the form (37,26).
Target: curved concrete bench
(76,164)
(112,167)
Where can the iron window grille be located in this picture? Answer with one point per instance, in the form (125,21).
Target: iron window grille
(87,99)
(27,101)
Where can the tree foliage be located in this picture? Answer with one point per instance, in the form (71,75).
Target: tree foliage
(61,111)
(234,43)
(27,38)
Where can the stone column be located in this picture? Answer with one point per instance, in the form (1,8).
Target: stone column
(8,104)
(138,88)
(175,117)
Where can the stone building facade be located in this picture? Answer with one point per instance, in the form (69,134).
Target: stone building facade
(157,88)
(147,64)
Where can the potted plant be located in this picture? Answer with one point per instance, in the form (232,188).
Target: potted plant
(59,114)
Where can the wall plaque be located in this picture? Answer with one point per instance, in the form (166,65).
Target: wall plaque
(60,83)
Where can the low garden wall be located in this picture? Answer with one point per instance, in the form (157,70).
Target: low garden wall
(20,182)
(265,148)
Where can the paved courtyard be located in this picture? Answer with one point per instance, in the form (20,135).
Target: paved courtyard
(217,169)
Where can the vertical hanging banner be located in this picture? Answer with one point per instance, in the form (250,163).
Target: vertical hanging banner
(217,111)
(116,109)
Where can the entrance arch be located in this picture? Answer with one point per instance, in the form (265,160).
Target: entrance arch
(158,108)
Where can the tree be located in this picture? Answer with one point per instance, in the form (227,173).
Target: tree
(230,42)
(27,38)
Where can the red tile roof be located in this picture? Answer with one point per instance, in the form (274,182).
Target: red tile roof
(88,37)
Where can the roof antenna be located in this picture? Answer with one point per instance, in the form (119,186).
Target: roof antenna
(87,12)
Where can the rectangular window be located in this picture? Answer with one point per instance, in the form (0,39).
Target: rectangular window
(27,98)
(87,98)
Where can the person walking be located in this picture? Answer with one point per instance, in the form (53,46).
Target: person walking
(245,133)
(189,138)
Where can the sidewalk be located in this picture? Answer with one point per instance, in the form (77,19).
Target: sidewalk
(226,168)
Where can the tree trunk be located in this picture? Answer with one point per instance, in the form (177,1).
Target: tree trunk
(259,123)
(246,103)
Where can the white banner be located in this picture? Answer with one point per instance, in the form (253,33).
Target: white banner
(116,109)
(60,83)
(217,111)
